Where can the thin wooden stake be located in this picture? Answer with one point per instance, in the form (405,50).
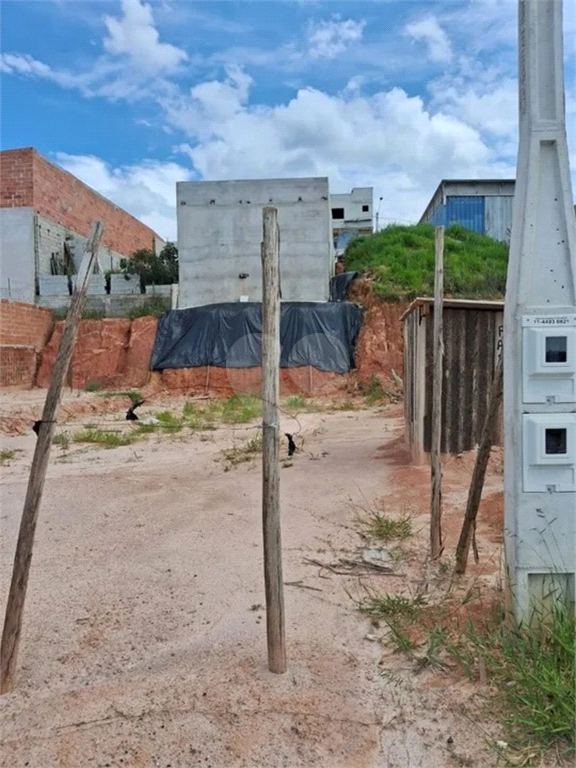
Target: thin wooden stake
(271,444)
(23,556)
(477,482)
(436,465)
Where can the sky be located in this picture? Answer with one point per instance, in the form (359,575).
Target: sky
(134,96)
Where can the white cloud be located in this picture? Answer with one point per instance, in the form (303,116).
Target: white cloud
(135,35)
(147,190)
(429,31)
(388,140)
(329,39)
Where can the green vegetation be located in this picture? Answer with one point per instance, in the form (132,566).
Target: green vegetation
(161,269)
(384,604)
(300,404)
(534,671)
(241,453)
(104,437)
(6,455)
(384,529)
(400,261)
(133,394)
(93,386)
(155,306)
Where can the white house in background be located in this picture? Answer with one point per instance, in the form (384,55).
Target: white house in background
(352,216)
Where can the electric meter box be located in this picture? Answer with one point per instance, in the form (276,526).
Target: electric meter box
(549,452)
(549,359)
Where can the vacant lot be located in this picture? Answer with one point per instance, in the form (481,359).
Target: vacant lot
(144,638)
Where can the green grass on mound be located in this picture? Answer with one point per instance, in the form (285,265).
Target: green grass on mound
(400,261)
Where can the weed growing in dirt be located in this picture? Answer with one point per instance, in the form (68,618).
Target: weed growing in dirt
(301,404)
(169,421)
(534,670)
(240,409)
(155,306)
(63,440)
(131,393)
(382,528)
(6,455)
(242,453)
(104,437)
(385,604)
(93,386)
(375,393)
(344,405)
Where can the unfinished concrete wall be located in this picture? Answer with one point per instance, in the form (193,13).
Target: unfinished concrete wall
(220,231)
(17,254)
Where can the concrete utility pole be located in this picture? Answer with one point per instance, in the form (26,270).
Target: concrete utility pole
(540,328)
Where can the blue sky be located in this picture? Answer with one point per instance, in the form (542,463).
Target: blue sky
(133,96)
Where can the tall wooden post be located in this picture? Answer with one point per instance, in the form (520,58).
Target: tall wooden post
(23,556)
(436,468)
(477,482)
(270,443)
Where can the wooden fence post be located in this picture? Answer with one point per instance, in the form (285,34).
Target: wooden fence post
(436,464)
(477,482)
(23,556)
(271,443)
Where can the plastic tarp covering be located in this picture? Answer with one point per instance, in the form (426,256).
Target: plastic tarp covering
(340,284)
(229,335)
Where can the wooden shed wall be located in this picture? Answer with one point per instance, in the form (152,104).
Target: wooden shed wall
(472,338)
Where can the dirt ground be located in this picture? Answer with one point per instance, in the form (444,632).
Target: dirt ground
(144,640)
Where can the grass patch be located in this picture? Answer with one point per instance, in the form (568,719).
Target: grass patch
(131,393)
(384,605)
(6,455)
(242,453)
(534,671)
(301,404)
(400,262)
(384,529)
(104,437)
(155,306)
(169,421)
(93,386)
(241,409)
(63,440)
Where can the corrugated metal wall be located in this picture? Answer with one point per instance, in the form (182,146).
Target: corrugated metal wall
(498,217)
(488,215)
(467,211)
(470,341)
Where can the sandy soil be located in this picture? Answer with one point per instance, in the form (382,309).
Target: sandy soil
(144,639)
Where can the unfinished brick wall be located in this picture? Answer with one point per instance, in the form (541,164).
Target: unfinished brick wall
(24,330)
(16,186)
(28,179)
(24,324)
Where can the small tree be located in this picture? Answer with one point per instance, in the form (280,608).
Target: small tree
(161,269)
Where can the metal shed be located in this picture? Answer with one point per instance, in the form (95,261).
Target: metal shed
(472,340)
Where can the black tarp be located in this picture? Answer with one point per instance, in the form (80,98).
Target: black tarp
(340,284)
(229,335)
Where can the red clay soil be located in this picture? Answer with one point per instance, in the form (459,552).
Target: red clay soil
(115,352)
(380,345)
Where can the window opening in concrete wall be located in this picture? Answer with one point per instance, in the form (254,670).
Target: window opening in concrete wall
(365,208)
(337,213)
(556,349)
(556,441)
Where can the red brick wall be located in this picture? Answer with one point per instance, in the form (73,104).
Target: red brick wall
(28,179)
(24,324)
(16,178)
(17,366)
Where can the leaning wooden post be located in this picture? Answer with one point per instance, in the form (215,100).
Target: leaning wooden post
(436,475)
(477,482)
(271,443)
(23,556)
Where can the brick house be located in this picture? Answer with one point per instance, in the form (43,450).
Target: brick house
(45,218)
